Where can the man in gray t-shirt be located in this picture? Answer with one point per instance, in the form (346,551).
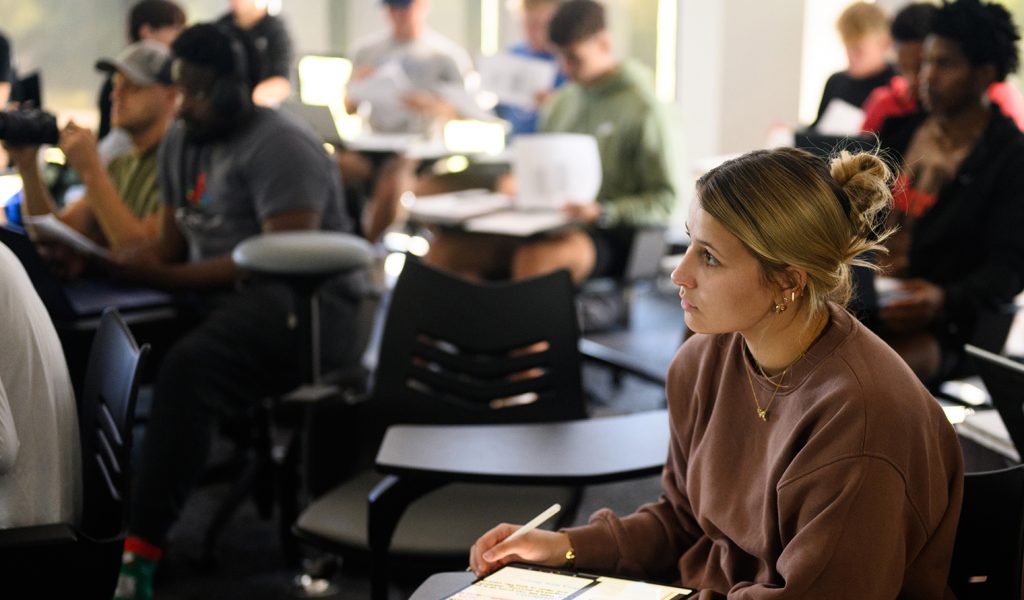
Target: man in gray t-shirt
(223,192)
(426,58)
(228,171)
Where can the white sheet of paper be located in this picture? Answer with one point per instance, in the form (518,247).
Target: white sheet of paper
(840,118)
(513,583)
(516,80)
(553,169)
(518,223)
(454,208)
(464,104)
(889,289)
(49,227)
(987,428)
(611,588)
(384,90)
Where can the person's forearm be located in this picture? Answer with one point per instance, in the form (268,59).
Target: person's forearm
(203,275)
(36,199)
(272,91)
(120,227)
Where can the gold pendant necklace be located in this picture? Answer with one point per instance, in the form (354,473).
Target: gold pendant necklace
(763,412)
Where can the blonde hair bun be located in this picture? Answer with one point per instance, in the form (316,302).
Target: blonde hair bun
(865,180)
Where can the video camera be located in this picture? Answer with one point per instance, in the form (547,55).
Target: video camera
(30,127)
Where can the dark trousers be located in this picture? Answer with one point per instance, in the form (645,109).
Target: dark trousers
(246,349)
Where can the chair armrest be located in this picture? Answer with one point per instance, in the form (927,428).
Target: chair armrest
(582,452)
(36,535)
(605,355)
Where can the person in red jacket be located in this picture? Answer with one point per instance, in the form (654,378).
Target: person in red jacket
(910,27)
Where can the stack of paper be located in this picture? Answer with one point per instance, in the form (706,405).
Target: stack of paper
(457,207)
(518,223)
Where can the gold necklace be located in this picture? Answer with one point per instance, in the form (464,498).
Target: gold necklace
(763,412)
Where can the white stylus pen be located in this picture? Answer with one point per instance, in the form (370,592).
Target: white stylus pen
(535,522)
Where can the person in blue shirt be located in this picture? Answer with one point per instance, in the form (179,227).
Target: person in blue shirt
(536,16)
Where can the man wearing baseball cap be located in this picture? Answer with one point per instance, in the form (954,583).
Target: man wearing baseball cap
(121,201)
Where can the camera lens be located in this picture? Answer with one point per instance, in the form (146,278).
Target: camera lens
(28,127)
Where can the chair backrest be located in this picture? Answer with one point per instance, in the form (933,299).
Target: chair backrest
(106,414)
(645,254)
(454,351)
(990,536)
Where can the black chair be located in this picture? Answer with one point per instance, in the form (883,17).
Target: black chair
(106,410)
(989,547)
(606,302)
(453,351)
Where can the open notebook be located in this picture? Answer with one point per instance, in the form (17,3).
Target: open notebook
(523,582)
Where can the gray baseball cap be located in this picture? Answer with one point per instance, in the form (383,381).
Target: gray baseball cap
(146,62)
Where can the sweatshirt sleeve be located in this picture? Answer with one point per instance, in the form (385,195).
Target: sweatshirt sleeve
(843,535)
(648,543)
(9,443)
(653,165)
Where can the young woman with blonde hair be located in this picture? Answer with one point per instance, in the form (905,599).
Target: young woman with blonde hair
(806,460)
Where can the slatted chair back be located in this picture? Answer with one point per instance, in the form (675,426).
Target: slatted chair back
(455,351)
(106,414)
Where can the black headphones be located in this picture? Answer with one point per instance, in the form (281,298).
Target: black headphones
(232,93)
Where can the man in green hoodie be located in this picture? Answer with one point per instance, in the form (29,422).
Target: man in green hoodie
(612,100)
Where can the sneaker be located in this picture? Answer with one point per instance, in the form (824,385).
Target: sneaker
(135,581)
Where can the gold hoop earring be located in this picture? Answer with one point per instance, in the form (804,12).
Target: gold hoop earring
(792,296)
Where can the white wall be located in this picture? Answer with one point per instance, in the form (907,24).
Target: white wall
(451,18)
(739,72)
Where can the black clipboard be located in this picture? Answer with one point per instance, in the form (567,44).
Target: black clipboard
(586,585)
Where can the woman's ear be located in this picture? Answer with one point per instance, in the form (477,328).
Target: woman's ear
(790,283)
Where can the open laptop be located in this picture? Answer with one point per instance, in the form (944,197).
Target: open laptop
(1004,380)
(81,299)
(319,118)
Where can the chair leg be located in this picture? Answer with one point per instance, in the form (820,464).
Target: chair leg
(229,506)
(288,482)
(387,502)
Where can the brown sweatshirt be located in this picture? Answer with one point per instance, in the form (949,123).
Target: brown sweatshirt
(852,488)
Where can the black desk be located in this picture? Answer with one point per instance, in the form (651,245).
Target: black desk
(584,452)
(420,458)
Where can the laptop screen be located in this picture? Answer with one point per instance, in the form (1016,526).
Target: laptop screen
(1004,379)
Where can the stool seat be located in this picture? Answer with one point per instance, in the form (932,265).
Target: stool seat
(303,253)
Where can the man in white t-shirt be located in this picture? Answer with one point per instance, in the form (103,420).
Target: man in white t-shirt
(428,60)
(40,473)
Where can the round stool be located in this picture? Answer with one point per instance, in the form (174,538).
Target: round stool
(305,260)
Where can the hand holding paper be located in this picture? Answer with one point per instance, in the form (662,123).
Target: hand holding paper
(48,227)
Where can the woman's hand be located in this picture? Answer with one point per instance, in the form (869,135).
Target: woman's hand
(919,303)
(540,547)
